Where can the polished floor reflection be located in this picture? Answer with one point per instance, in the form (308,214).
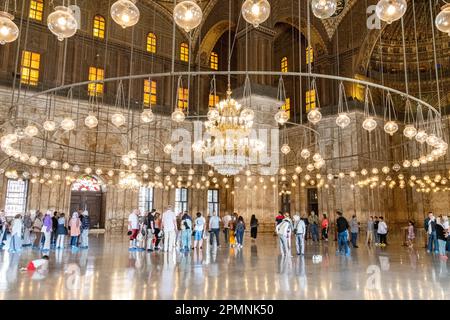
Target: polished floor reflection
(108,271)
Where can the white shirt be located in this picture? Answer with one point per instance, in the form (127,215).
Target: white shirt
(226,221)
(17,227)
(169,220)
(199,224)
(133,219)
(382,227)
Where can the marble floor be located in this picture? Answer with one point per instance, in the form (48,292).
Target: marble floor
(108,271)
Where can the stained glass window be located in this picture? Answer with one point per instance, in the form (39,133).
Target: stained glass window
(284,64)
(86,183)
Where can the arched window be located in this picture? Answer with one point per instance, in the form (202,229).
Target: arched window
(86,183)
(284,64)
(151,43)
(310,100)
(184,52)
(36,9)
(96,89)
(29,73)
(214,61)
(183,96)
(287,106)
(98,30)
(149,92)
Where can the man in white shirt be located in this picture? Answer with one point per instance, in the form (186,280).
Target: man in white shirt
(226,227)
(214,228)
(169,226)
(133,227)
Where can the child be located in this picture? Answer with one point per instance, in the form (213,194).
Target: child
(39,265)
(411,235)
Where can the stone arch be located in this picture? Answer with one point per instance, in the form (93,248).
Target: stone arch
(366,49)
(211,38)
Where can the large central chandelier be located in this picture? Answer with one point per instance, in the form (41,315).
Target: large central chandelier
(229,147)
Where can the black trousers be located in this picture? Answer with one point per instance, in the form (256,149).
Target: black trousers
(382,238)
(253,232)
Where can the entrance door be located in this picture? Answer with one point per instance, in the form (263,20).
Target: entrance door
(313,201)
(90,201)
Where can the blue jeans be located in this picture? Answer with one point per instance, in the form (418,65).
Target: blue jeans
(214,232)
(73,240)
(240,237)
(354,239)
(315,232)
(186,239)
(432,240)
(342,242)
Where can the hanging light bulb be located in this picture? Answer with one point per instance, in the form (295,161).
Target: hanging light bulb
(305,153)
(385,170)
(443,19)
(247,114)
(62,23)
(65,166)
(187,15)
(343,120)
(410,131)
(396,167)
(256,12)
(282,117)
(369,124)
(33,160)
(49,125)
(391,127)
(118,119)
(415,163)
(144,150)
(178,116)
(406,164)
(323,9)
(317,157)
(314,116)
(125,13)
(31,130)
(91,121)
(421,136)
(8,29)
(147,116)
(168,148)
(390,10)
(432,140)
(213,114)
(68,124)
(285,149)
(43,162)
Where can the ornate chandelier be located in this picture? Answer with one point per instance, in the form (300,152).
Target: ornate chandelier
(129,182)
(229,147)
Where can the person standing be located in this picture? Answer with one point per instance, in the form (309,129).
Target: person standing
(430,228)
(240,228)
(85,225)
(283,230)
(354,228)
(61,231)
(47,230)
(324,227)
(158,231)
(186,232)
(214,228)
(37,230)
(16,235)
(299,231)
(169,227)
(411,235)
(314,225)
(54,225)
(253,227)
(74,226)
(232,224)
(441,235)
(199,228)
(376,221)
(342,229)
(27,225)
(133,229)
(370,230)
(226,228)
(151,230)
(382,232)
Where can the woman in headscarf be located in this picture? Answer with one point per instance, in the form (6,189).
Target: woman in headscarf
(27,224)
(37,230)
(16,234)
(85,225)
(74,226)
(47,230)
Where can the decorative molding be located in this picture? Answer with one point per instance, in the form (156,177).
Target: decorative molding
(332,23)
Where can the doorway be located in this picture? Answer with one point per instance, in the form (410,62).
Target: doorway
(313,201)
(87,195)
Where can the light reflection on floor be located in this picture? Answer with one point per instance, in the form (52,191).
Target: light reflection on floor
(108,271)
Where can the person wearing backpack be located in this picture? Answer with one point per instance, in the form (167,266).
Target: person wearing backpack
(186,232)
(199,228)
(283,229)
(61,231)
(299,231)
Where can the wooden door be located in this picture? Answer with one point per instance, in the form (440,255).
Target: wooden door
(90,201)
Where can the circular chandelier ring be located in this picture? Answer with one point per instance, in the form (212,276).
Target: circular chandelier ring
(226,73)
